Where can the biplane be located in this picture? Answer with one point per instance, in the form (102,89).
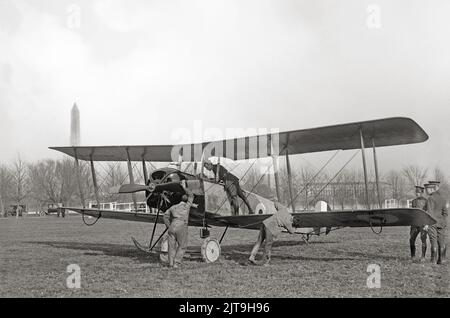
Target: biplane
(211,202)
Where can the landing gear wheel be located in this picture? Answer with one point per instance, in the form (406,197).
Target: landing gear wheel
(164,249)
(210,250)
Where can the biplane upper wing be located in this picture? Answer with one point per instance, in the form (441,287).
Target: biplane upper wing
(383,132)
(359,218)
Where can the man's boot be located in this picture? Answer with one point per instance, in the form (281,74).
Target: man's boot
(433,254)
(441,254)
(424,253)
(267,258)
(413,250)
(252,259)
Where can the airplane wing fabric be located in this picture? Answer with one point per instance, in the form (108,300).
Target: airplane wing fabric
(364,218)
(360,218)
(119,215)
(383,132)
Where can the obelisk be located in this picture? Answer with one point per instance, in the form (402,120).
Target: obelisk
(75,126)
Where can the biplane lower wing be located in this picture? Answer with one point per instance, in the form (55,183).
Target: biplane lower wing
(359,218)
(364,218)
(195,218)
(118,215)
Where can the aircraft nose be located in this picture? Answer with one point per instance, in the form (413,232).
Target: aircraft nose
(151,187)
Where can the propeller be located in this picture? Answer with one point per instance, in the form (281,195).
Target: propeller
(133,188)
(175,186)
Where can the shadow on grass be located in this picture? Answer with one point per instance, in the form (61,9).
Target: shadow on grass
(371,256)
(97,249)
(238,253)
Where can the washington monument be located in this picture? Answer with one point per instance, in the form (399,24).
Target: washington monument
(75,126)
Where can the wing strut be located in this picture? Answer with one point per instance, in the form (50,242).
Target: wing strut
(288,165)
(364,167)
(275,169)
(80,187)
(94,181)
(130,175)
(377,179)
(144,170)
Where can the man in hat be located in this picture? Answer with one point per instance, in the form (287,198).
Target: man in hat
(270,228)
(419,203)
(176,219)
(231,185)
(437,206)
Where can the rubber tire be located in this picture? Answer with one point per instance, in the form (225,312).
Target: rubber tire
(210,250)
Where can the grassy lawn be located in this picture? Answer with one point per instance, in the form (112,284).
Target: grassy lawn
(35,252)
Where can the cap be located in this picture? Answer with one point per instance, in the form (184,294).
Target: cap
(434,182)
(419,188)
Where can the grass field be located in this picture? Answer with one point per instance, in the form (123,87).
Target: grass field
(35,252)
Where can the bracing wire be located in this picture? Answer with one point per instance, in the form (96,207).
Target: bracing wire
(314,177)
(334,177)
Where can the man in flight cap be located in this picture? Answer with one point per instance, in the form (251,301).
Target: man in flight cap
(437,206)
(420,202)
(231,185)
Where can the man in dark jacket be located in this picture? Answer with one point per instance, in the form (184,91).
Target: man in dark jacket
(438,207)
(420,202)
(231,186)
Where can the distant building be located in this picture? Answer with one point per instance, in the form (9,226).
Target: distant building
(349,195)
(75,126)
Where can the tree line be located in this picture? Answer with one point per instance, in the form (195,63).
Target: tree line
(38,184)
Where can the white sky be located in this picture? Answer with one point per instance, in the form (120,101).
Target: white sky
(142,70)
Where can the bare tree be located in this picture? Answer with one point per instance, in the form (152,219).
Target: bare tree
(20,182)
(342,188)
(307,183)
(52,181)
(254,181)
(114,175)
(415,175)
(5,188)
(396,183)
(440,176)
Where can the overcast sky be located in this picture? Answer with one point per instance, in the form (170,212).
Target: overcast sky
(141,71)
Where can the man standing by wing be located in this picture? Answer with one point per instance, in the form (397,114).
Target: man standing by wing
(231,185)
(420,203)
(270,229)
(438,207)
(176,219)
